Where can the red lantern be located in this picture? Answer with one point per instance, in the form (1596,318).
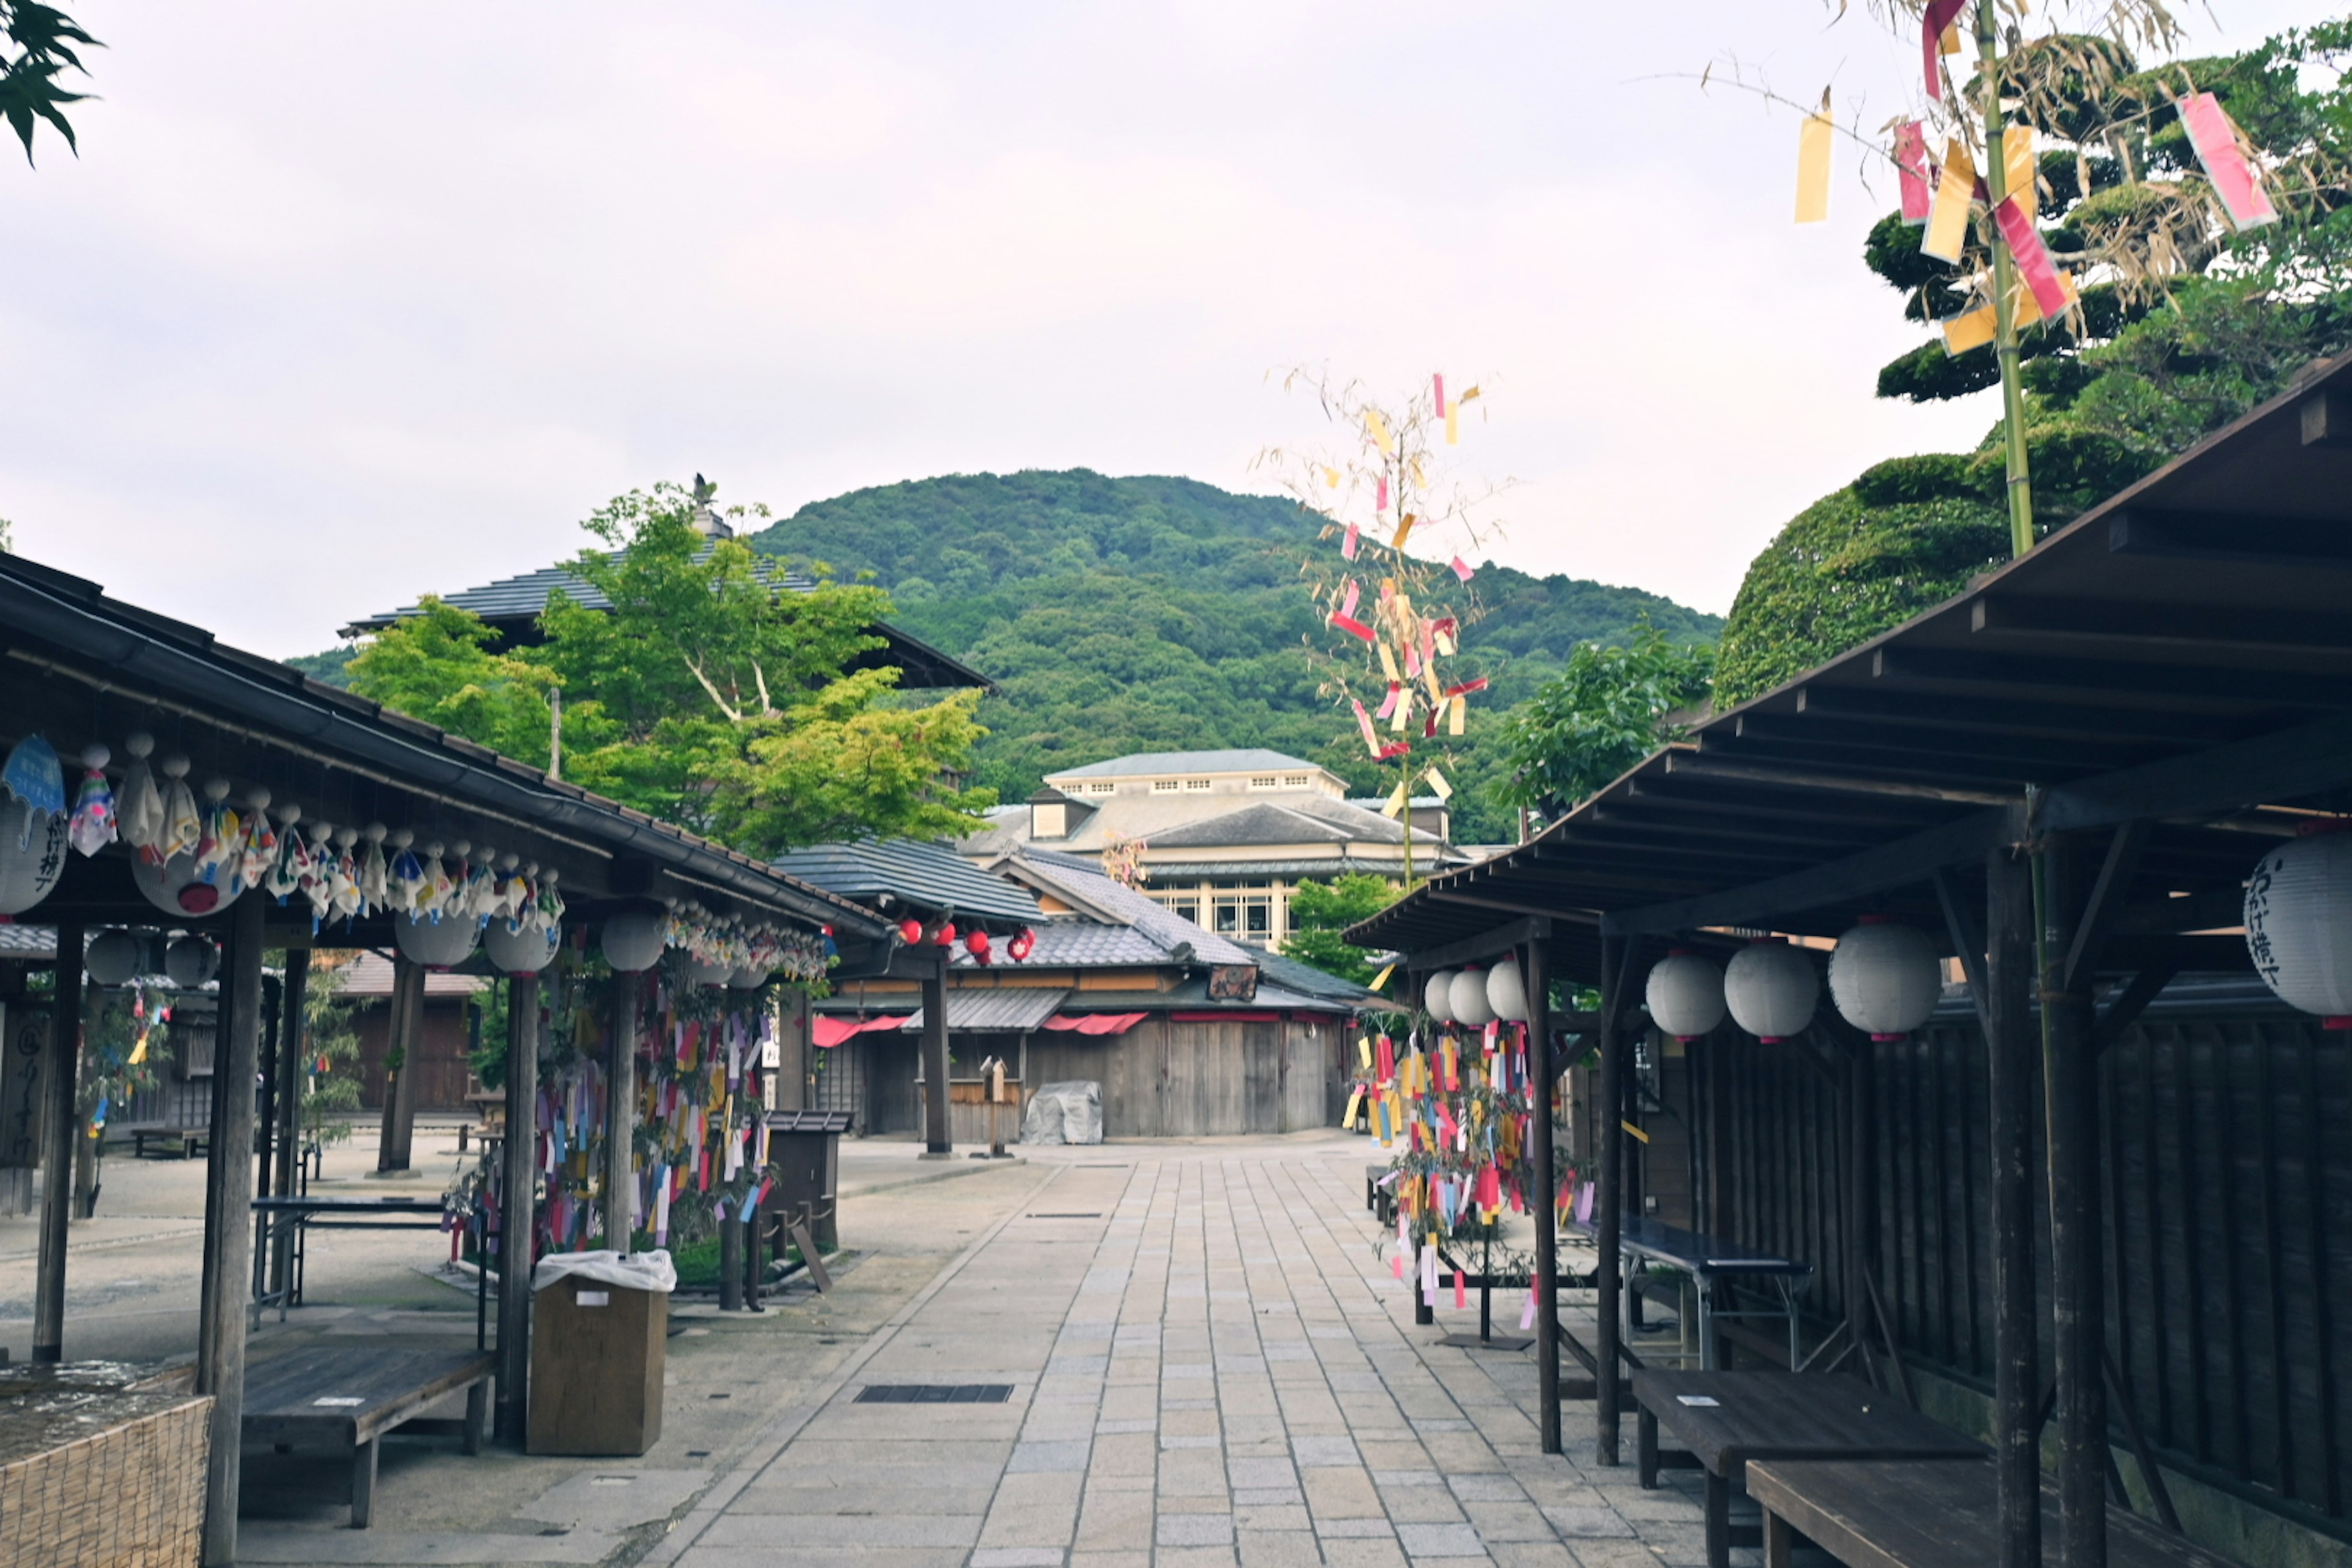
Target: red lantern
(945,934)
(1022,945)
(976,945)
(910,932)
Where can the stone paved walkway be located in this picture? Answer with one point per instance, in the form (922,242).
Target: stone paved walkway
(1210,1366)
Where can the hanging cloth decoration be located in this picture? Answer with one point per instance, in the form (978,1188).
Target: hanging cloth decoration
(34,775)
(139,807)
(93,827)
(408,877)
(184,826)
(286,873)
(260,846)
(375,877)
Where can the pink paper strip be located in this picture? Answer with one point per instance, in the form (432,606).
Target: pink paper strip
(1380,499)
(1350,623)
(1389,705)
(2034,263)
(1462,569)
(1354,595)
(1911,166)
(1437,390)
(1940,15)
(1364,722)
(2234,181)
(1348,545)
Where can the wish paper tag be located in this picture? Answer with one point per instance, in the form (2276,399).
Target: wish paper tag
(339,1401)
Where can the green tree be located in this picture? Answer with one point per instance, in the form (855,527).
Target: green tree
(437,667)
(41,39)
(330,1040)
(1319,911)
(1607,710)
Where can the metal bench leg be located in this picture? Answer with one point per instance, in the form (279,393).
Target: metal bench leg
(1719,1521)
(1645,1447)
(1780,1542)
(477,1410)
(362,1483)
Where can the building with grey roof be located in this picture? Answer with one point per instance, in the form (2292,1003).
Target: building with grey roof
(1224,838)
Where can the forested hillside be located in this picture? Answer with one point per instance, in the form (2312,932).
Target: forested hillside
(1122,615)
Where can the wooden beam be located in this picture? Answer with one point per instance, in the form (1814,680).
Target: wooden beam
(2011,1048)
(2105,903)
(1695,826)
(1694,765)
(2053,714)
(406,1031)
(1486,945)
(60,1091)
(938,1134)
(621,1110)
(517,1215)
(1477,900)
(2281,765)
(2226,688)
(2169,627)
(1963,751)
(1956,765)
(228,1220)
(2126,1009)
(1616,957)
(1912,860)
(2302,545)
(1967,942)
(1536,976)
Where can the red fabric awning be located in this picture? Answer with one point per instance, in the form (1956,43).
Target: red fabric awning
(828,1031)
(1095,1023)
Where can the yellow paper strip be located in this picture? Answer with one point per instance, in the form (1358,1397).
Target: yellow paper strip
(1379,429)
(1379,981)
(1331,479)
(1454,423)
(2017,167)
(1398,719)
(1978,327)
(1947,220)
(1438,786)
(1354,1099)
(1404,533)
(1396,802)
(1950,42)
(1389,665)
(1634,1130)
(1461,708)
(1813,144)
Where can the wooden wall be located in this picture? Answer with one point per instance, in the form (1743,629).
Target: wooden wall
(1167,1079)
(445,1076)
(2227,1201)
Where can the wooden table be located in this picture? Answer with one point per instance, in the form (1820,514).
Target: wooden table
(346,1396)
(1878,1513)
(1772,1414)
(1710,1262)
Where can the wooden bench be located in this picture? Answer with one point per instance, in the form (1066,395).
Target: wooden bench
(1873,1513)
(1380,1199)
(346,1397)
(189,1139)
(1722,1421)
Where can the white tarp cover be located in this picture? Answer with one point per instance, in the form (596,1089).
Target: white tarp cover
(1064,1113)
(638,1271)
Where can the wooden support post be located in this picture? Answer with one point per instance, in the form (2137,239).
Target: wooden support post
(293,1049)
(265,1128)
(1611,1111)
(517,1210)
(228,1208)
(57,1146)
(1545,1188)
(2071,1094)
(938,1139)
(621,1114)
(2009,1050)
(405,1039)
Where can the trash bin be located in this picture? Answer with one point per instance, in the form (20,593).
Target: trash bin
(804,1150)
(600,1323)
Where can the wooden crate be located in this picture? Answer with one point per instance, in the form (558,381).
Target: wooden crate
(102,1476)
(597,1352)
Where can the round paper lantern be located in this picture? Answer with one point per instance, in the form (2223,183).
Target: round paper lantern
(910,932)
(32,855)
(114,957)
(702,974)
(976,945)
(436,944)
(1684,995)
(1506,994)
(2299,924)
(750,978)
(524,951)
(1437,996)
(1772,989)
(1468,993)
(633,939)
(178,887)
(945,935)
(190,962)
(1886,978)
(1022,945)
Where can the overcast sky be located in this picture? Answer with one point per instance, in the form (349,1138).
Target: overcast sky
(343,303)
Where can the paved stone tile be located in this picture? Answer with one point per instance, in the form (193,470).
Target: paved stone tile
(1017,1557)
(1069,1454)
(1441,1541)
(1194,1530)
(1324,1450)
(1588,1523)
(1280,1549)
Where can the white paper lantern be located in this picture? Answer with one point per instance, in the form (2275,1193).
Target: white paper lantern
(1469,996)
(1437,996)
(1886,978)
(178,887)
(703,973)
(114,957)
(1506,994)
(190,961)
(750,978)
(32,855)
(633,939)
(2299,924)
(443,943)
(1684,995)
(524,951)
(1771,988)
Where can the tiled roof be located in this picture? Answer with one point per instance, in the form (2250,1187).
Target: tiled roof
(1251,760)
(370,974)
(931,877)
(1293,975)
(524,597)
(28,941)
(1013,1009)
(1082,882)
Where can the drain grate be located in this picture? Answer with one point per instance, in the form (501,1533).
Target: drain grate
(1090,1214)
(934,1394)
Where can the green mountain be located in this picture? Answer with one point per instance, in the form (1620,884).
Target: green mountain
(1151,614)
(1146,614)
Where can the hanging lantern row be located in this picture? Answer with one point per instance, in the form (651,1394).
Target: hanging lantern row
(739,954)
(1476,997)
(978,945)
(1884,980)
(2299,916)
(118,957)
